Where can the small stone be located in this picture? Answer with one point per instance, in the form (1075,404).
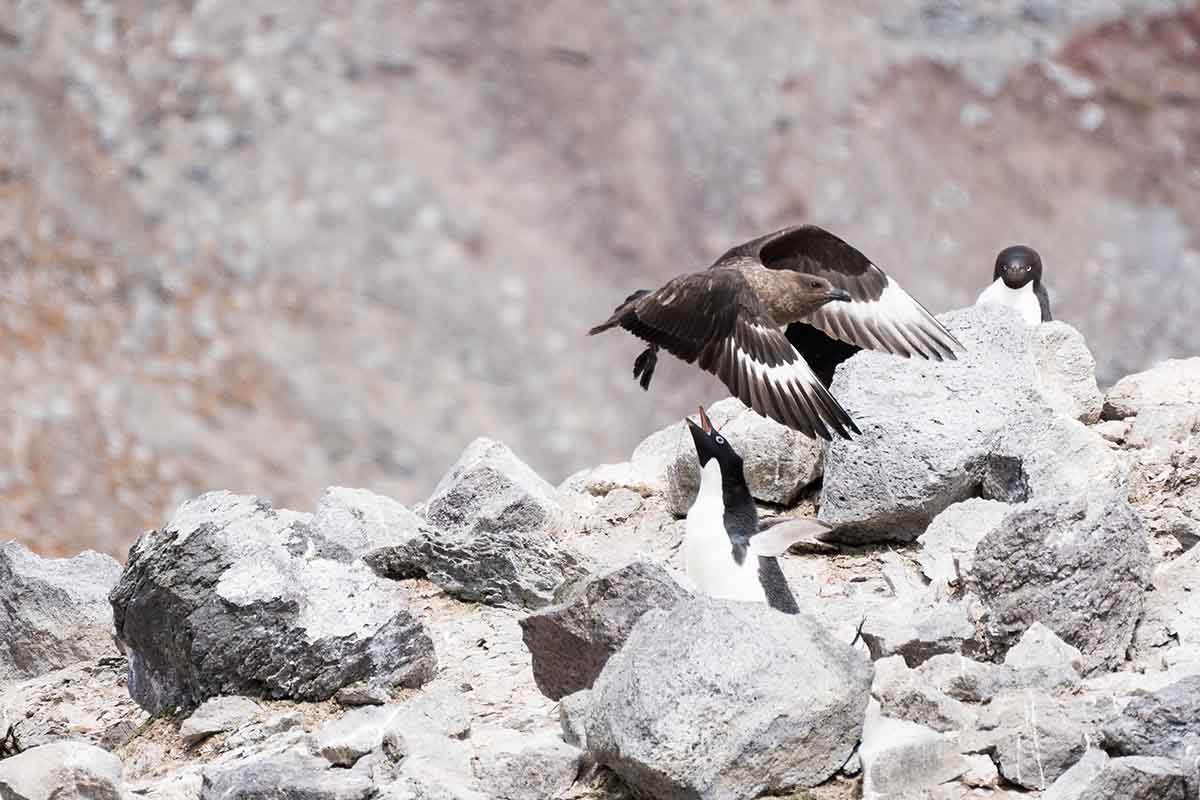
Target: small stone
(981,772)
(362,694)
(1041,652)
(953,536)
(918,632)
(296,774)
(218,715)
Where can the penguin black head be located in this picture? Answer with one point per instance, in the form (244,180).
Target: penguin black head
(1018,265)
(711,444)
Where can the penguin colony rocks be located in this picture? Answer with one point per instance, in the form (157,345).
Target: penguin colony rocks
(773,318)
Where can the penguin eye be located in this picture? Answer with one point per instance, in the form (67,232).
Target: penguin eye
(719,440)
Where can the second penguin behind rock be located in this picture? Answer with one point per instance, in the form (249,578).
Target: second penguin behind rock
(726,554)
(1017,283)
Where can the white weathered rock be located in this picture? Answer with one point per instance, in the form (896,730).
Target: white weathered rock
(61,771)
(343,741)
(1043,659)
(221,601)
(652,709)
(1066,371)
(1079,568)
(352,523)
(491,534)
(218,715)
(953,536)
(981,772)
(438,711)
(510,765)
(906,694)
(904,759)
(1172,383)
(779,462)
(54,612)
(916,631)
(571,642)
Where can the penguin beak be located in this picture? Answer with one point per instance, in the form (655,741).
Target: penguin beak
(705,422)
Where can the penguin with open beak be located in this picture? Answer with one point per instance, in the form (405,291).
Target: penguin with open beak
(726,554)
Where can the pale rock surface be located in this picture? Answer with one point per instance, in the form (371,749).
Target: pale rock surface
(1066,371)
(1174,382)
(53,611)
(218,715)
(63,770)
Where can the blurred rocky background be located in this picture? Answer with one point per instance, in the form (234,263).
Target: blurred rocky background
(270,247)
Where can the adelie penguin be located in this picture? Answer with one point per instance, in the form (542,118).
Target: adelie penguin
(726,554)
(773,317)
(1017,283)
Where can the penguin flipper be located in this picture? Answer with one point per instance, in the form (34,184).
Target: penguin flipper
(775,540)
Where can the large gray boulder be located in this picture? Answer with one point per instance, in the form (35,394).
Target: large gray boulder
(222,600)
(61,771)
(572,641)
(492,534)
(1164,723)
(1175,382)
(1078,568)
(779,462)
(53,611)
(935,434)
(718,699)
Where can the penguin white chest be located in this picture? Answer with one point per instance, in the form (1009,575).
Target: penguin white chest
(1023,300)
(708,553)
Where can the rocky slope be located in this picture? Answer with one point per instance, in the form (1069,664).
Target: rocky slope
(1006,607)
(272,247)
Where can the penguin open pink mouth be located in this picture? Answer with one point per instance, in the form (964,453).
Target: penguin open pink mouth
(705,422)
